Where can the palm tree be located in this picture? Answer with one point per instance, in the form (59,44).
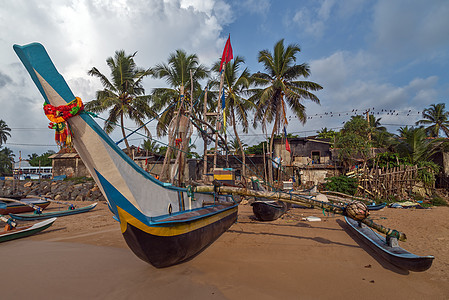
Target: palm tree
(413,146)
(437,118)
(177,73)
(151,145)
(6,161)
(237,107)
(281,89)
(4,132)
(123,95)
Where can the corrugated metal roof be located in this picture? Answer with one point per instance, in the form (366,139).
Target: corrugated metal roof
(63,155)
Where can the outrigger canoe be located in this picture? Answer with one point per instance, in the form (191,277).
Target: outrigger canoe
(162,224)
(266,209)
(390,251)
(23,231)
(14,207)
(46,215)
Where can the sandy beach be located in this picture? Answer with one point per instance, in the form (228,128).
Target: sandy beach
(85,256)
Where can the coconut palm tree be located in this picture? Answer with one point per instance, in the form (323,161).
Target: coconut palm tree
(179,70)
(413,146)
(281,90)
(177,75)
(6,161)
(437,118)
(4,132)
(235,86)
(123,95)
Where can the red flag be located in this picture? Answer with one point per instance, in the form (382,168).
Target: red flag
(227,53)
(287,145)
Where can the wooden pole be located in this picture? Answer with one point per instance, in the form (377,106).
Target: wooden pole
(294,199)
(205,129)
(218,116)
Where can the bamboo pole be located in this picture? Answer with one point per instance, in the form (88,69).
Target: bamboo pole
(295,199)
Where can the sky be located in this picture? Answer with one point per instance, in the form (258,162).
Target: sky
(388,56)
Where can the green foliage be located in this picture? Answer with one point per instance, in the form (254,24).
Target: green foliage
(256,149)
(324,133)
(427,172)
(389,159)
(342,184)
(6,159)
(353,140)
(78,180)
(4,132)
(44,160)
(438,201)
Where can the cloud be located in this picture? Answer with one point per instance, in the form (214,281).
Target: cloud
(80,34)
(406,28)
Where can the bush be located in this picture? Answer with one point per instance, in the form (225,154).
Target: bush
(438,201)
(342,184)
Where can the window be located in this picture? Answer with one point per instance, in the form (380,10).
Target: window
(316,157)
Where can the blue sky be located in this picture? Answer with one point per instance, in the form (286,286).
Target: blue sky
(386,55)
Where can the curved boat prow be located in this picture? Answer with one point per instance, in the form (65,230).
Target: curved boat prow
(139,201)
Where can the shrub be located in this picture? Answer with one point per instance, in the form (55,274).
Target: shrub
(342,184)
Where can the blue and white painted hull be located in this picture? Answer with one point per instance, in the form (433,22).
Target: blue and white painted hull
(137,199)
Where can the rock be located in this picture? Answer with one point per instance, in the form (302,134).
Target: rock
(57,197)
(79,198)
(28,184)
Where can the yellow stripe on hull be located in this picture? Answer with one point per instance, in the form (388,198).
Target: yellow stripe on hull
(173,230)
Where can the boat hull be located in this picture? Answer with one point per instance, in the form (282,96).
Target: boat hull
(48,215)
(25,231)
(377,206)
(173,243)
(269,210)
(395,255)
(17,208)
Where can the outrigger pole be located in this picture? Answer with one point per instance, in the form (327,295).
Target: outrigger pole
(298,199)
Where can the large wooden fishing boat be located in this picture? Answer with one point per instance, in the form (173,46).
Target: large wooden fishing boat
(162,224)
(389,251)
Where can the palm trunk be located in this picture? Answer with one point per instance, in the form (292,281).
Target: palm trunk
(122,125)
(270,163)
(240,145)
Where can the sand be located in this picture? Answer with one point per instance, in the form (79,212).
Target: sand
(85,256)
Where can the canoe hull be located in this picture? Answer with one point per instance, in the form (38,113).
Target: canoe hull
(377,206)
(16,208)
(25,231)
(162,246)
(42,216)
(269,210)
(395,255)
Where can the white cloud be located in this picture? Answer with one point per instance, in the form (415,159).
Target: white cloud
(80,34)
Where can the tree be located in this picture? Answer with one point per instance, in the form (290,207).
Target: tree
(177,75)
(123,95)
(6,161)
(281,89)
(353,140)
(414,146)
(237,107)
(324,133)
(151,145)
(42,160)
(379,134)
(437,118)
(4,132)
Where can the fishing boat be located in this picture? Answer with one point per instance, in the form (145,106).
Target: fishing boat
(13,206)
(23,231)
(161,223)
(377,206)
(388,248)
(266,209)
(47,215)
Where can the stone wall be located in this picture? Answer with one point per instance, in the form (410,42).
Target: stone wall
(68,190)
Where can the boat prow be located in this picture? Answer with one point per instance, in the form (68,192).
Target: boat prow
(24,231)
(393,254)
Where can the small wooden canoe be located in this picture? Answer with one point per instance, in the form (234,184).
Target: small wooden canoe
(23,231)
(393,254)
(46,215)
(13,207)
(377,206)
(269,210)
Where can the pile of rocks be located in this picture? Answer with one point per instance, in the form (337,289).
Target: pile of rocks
(58,190)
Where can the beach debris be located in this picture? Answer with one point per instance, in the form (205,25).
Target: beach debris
(312,219)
